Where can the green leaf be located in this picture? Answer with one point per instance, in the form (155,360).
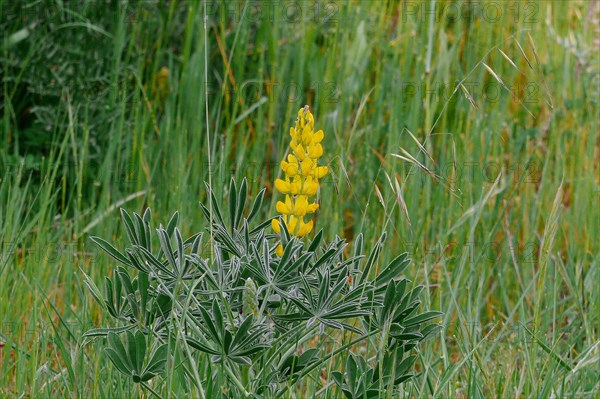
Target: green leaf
(197,245)
(165,244)
(119,350)
(430,331)
(241,205)
(143,285)
(135,260)
(210,325)
(307,357)
(142,230)
(180,253)
(408,336)
(338,378)
(389,300)
(125,280)
(109,249)
(94,290)
(172,224)
(129,228)
(405,377)
(218,316)
(423,317)
(137,350)
(117,361)
(232,204)
(358,253)
(103,332)
(316,241)
(262,226)
(153,261)
(256,205)
(352,372)
(194,343)
(288,252)
(217,217)
(372,259)
(404,366)
(393,270)
(245,360)
(147,219)
(157,361)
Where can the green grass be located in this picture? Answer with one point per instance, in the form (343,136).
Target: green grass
(505,237)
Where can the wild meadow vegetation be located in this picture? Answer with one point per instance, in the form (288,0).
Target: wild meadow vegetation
(454,251)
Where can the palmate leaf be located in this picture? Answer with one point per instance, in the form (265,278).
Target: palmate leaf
(293,364)
(392,271)
(280,275)
(118,354)
(357,380)
(326,305)
(153,262)
(223,344)
(118,361)
(129,359)
(216,211)
(156,364)
(327,258)
(395,368)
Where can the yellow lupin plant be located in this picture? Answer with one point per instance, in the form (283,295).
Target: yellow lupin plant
(302,173)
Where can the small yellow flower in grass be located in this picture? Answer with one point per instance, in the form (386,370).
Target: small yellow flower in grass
(301,177)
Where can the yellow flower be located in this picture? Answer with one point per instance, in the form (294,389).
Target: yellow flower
(279,250)
(301,177)
(297,186)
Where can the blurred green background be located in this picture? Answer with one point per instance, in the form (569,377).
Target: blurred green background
(492,107)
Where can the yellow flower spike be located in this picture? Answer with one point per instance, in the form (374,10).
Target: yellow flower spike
(290,167)
(312,207)
(279,250)
(296,187)
(275,226)
(285,208)
(318,136)
(281,208)
(291,224)
(306,166)
(301,206)
(299,152)
(301,177)
(307,136)
(321,171)
(309,187)
(283,187)
(315,151)
(305,228)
